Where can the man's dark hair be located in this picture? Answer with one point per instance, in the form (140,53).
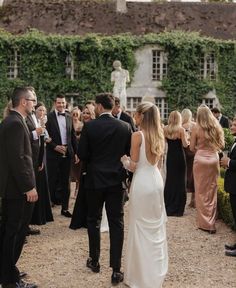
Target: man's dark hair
(107,100)
(117,101)
(17,95)
(215,110)
(59,96)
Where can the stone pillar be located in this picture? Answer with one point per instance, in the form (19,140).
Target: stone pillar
(121,6)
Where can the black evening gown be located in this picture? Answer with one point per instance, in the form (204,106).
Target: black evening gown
(79,216)
(175,186)
(42,212)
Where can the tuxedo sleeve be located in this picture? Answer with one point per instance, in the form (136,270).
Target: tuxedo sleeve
(49,129)
(232,164)
(74,142)
(20,160)
(128,144)
(83,151)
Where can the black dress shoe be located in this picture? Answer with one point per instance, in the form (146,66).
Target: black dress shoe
(95,267)
(33,232)
(117,277)
(230,247)
(66,213)
(230,253)
(23,284)
(22,274)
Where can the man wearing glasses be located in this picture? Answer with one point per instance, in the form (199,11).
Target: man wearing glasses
(17,186)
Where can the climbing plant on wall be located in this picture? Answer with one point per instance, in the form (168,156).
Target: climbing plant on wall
(42,65)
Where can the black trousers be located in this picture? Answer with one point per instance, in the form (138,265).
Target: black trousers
(113,198)
(232,198)
(16,215)
(58,173)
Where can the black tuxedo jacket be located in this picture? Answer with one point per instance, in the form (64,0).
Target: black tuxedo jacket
(52,127)
(224,122)
(230,174)
(102,143)
(16,166)
(34,143)
(127,118)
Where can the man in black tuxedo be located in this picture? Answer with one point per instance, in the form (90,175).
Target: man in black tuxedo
(103,141)
(224,121)
(60,150)
(17,186)
(230,183)
(119,114)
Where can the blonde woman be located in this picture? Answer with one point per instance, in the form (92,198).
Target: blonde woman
(188,125)
(88,113)
(146,260)
(175,185)
(207,139)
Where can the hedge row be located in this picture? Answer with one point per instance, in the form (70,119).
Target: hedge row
(224,207)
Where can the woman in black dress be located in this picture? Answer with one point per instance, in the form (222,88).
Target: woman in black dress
(79,216)
(42,210)
(175,186)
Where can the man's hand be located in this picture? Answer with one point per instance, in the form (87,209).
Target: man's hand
(32,195)
(41,167)
(39,131)
(76,159)
(224,161)
(60,148)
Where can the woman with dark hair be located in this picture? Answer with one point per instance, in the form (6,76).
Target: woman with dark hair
(42,210)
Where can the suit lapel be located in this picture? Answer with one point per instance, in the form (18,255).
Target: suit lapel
(22,121)
(54,118)
(31,120)
(68,123)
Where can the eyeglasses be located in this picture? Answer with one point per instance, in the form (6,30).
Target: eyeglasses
(33,100)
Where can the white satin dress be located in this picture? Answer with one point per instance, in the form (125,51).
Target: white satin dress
(146,257)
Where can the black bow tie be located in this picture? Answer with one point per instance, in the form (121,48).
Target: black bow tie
(61,114)
(115,116)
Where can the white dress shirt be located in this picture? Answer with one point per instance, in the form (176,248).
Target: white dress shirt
(62,127)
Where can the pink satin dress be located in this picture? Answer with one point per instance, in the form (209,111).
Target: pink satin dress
(205,172)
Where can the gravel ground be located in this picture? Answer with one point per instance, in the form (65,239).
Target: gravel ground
(56,258)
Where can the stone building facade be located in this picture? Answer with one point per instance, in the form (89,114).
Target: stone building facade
(76,17)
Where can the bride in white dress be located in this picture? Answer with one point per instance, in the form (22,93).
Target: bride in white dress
(146,258)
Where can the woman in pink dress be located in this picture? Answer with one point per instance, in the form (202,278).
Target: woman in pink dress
(207,139)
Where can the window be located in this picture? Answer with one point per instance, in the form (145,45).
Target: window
(208,67)
(159,65)
(163,107)
(13,65)
(71,67)
(132,103)
(209,102)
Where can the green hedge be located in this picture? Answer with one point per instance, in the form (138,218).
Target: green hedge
(224,207)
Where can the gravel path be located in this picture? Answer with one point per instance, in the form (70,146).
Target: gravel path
(56,258)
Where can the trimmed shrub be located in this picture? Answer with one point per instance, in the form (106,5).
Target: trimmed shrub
(224,207)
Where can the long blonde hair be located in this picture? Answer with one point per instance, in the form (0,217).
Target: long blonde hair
(174,124)
(211,128)
(186,116)
(151,124)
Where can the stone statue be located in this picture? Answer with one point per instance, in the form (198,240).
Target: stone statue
(120,77)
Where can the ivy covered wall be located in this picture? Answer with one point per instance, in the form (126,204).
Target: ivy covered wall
(43,57)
